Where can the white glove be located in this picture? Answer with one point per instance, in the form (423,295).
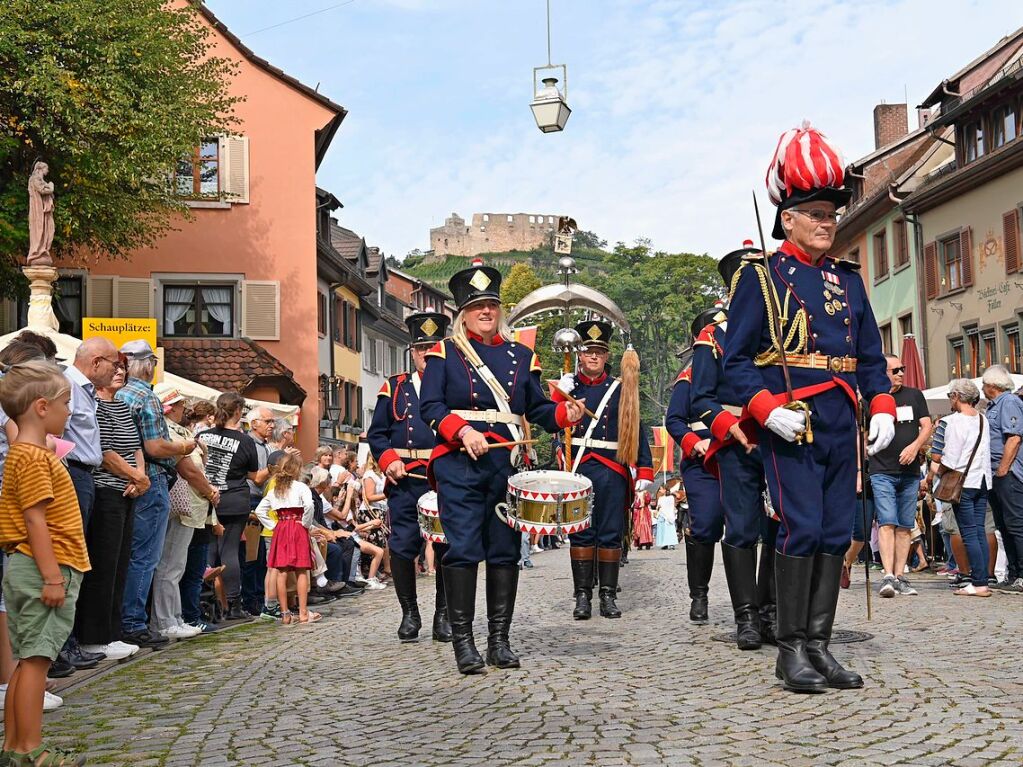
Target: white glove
(786,423)
(642,484)
(882,432)
(567,383)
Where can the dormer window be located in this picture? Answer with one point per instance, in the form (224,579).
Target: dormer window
(1003,126)
(973,137)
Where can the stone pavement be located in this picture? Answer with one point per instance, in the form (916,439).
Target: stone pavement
(944,687)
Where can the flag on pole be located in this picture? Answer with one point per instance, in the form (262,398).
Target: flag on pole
(662,451)
(526,336)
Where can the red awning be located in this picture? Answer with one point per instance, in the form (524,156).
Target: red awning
(914,375)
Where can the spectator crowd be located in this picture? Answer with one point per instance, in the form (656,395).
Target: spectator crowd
(142,518)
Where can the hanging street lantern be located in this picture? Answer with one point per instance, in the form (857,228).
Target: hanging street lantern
(550,104)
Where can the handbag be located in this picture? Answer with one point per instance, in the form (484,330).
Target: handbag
(950,484)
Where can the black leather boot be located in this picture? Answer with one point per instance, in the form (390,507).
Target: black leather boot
(460,590)
(582,579)
(235,611)
(741,572)
(699,566)
(767,595)
(403,571)
(827,572)
(502,585)
(441,626)
(794,578)
(608,564)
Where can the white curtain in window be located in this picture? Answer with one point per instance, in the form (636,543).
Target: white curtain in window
(218,304)
(176,303)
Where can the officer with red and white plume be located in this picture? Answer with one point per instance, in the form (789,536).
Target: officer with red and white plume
(810,309)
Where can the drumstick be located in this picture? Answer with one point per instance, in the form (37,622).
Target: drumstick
(512,443)
(416,476)
(570,398)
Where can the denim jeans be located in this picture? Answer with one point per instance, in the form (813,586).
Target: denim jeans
(190,585)
(148,531)
(85,491)
(1007,504)
(524,550)
(970,513)
(895,498)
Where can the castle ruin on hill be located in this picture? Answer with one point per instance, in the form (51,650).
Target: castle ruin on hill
(491,233)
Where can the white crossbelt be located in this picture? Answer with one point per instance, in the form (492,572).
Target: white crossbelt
(489,416)
(601,444)
(587,442)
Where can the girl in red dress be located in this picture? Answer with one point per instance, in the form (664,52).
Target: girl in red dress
(292,503)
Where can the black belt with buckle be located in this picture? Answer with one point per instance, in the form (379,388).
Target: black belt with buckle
(82,466)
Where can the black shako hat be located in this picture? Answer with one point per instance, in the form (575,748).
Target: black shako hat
(595,333)
(704,318)
(427,327)
(729,263)
(477,283)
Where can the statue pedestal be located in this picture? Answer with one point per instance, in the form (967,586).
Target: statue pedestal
(40,302)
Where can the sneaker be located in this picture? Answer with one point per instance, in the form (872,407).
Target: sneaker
(50,701)
(321,580)
(347,590)
(204,628)
(952,573)
(374,585)
(180,632)
(119,645)
(359,580)
(535,550)
(888,586)
(959,580)
(271,612)
(1016,587)
(902,587)
(146,638)
(110,650)
(332,586)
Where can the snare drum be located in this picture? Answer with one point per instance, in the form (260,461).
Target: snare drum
(548,502)
(429,518)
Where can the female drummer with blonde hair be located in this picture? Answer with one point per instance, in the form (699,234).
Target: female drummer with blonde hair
(481,387)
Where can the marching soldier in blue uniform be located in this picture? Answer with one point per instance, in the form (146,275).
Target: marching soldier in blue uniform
(706,517)
(808,310)
(481,387)
(401,443)
(736,460)
(596,456)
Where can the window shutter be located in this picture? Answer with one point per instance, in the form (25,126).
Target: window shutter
(360,410)
(133,297)
(966,251)
(261,310)
(1010,228)
(100,296)
(234,168)
(931,269)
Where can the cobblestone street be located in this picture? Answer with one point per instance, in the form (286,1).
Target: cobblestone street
(943,687)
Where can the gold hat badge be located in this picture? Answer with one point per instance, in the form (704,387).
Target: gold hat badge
(480,281)
(593,332)
(429,327)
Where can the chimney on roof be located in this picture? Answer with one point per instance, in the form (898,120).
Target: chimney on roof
(891,122)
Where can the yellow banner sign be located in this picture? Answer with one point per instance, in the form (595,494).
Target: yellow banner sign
(121,330)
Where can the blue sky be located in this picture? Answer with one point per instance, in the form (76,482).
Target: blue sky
(677,105)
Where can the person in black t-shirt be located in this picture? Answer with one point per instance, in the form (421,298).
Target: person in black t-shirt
(895,480)
(232,460)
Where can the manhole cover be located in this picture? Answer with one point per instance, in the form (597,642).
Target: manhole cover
(838,636)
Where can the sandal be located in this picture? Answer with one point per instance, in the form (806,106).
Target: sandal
(288,618)
(969,590)
(55,757)
(923,566)
(311,617)
(212,572)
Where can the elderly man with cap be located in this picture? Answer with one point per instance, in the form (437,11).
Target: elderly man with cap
(736,460)
(706,517)
(803,343)
(401,443)
(190,503)
(597,457)
(480,387)
(152,508)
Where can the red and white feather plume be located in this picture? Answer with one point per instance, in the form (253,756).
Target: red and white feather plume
(804,159)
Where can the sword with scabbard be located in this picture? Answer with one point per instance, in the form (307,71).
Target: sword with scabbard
(773,310)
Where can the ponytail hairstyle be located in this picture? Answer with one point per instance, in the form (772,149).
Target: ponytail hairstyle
(285,472)
(229,405)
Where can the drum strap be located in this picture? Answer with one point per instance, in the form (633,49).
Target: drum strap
(500,395)
(593,425)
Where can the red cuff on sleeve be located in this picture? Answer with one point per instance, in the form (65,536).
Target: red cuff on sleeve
(555,392)
(883,403)
(688,443)
(386,458)
(761,405)
(449,427)
(561,416)
(645,472)
(722,422)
